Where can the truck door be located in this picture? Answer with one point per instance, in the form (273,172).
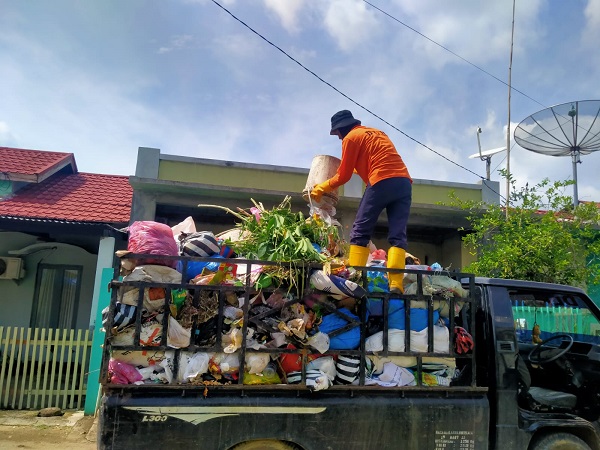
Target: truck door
(551,396)
(495,333)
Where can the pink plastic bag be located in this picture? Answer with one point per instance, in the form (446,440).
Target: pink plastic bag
(123,373)
(152,238)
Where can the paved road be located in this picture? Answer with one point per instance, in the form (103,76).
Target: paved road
(24,430)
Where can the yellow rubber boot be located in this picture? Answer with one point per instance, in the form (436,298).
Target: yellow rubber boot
(396,260)
(358,255)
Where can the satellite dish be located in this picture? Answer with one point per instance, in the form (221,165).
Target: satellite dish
(486,155)
(569,129)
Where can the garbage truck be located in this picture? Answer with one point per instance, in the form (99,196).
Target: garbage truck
(223,358)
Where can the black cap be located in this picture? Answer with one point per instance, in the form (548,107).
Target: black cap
(342,119)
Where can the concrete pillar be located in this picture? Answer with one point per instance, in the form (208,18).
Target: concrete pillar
(106,253)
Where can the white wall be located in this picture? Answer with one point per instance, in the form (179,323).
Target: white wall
(16,296)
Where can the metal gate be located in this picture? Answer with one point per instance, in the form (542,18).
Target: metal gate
(41,368)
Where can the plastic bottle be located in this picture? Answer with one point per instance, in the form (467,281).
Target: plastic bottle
(270,370)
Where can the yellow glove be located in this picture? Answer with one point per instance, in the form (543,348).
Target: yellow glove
(318,191)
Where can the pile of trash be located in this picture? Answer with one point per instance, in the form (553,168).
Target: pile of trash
(227,317)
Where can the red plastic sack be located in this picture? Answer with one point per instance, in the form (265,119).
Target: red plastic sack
(291,362)
(152,238)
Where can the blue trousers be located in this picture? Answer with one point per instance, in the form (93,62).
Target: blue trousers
(395,196)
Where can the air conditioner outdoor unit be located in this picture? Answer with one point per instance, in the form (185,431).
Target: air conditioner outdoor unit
(11,268)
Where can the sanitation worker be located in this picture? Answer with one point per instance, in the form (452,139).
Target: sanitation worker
(370,153)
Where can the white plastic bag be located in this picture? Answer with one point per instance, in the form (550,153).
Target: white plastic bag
(187,226)
(228,363)
(150,335)
(153,273)
(319,341)
(177,337)
(139,358)
(232,341)
(256,362)
(197,365)
(326,364)
(418,340)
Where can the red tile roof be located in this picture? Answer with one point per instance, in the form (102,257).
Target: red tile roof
(81,197)
(19,164)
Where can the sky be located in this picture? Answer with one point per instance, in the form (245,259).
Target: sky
(257,81)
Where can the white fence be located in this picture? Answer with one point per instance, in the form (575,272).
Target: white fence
(40,368)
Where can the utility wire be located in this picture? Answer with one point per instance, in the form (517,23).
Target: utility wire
(453,53)
(344,95)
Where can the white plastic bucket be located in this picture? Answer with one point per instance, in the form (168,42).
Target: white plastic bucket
(322,168)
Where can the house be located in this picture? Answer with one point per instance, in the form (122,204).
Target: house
(169,188)
(58,229)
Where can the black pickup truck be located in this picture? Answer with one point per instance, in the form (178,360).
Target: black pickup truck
(487,364)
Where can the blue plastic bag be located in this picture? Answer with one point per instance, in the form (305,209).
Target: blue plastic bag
(396,319)
(195,268)
(377,281)
(349,340)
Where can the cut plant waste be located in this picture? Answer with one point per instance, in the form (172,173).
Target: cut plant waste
(281,235)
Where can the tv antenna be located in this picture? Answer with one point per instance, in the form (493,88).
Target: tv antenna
(486,155)
(569,129)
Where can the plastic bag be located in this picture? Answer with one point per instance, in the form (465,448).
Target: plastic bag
(377,281)
(396,313)
(392,375)
(152,238)
(124,315)
(139,358)
(418,341)
(325,211)
(154,298)
(177,336)
(347,369)
(326,364)
(201,243)
(253,379)
(224,363)
(232,341)
(123,373)
(315,379)
(335,286)
(187,226)
(291,362)
(154,373)
(150,335)
(319,341)
(256,362)
(196,365)
(348,340)
(195,268)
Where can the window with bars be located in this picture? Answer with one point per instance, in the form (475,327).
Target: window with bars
(56,296)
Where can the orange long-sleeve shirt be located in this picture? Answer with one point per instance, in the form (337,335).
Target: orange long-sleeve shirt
(372,154)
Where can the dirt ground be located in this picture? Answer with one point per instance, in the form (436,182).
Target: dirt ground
(19,432)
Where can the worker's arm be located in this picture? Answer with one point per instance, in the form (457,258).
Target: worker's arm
(350,152)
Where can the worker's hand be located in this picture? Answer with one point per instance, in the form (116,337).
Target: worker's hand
(318,191)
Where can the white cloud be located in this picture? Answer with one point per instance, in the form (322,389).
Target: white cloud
(176,43)
(7,139)
(591,30)
(287,12)
(216,90)
(349,23)
(592,14)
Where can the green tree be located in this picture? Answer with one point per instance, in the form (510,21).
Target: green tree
(541,237)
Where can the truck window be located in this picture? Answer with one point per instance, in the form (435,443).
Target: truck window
(541,314)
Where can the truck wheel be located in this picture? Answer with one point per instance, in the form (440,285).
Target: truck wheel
(265,444)
(560,441)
